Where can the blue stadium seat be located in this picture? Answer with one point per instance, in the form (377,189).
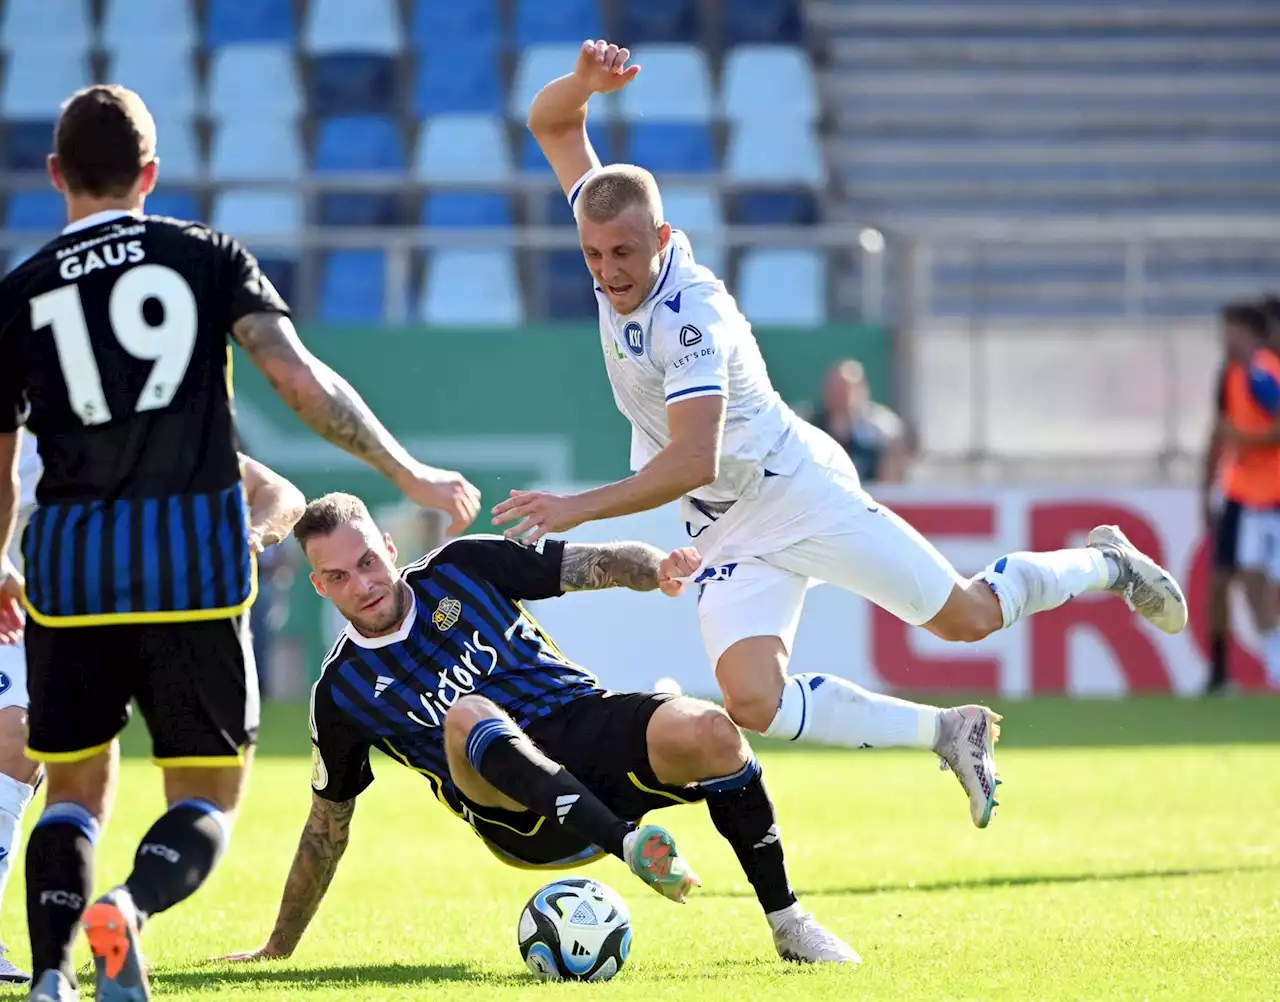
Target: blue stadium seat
(38,80)
(540,21)
(601,136)
(783,287)
(539,64)
(774,208)
(176,148)
(47,24)
(762,21)
(360,208)
(254,78)
(249,148)
(436,26)
(568,286)
(228,22)
(780,151)
(175,204)
(465,79)
(675,147)
(40,210)
(463,148)
(346,26)
(352,83)
(165,77)
(258,214)
(472,287)
(353,286)
(27,143)
(644,21)
(359,143)
(467,209)
(697,212)
(161,24)
(674,85)
(282,271)
(767,81)
(556,210)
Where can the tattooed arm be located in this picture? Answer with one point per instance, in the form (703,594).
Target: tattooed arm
(589,566)
(329,404)
(324,839)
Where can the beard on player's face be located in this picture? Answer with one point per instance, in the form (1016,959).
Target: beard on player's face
(355,568)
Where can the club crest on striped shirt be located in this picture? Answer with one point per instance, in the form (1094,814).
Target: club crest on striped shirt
(446,614)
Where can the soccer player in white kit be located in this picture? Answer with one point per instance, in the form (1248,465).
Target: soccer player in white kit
(772,503)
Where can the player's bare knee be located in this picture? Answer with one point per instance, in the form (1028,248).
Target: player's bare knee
(222,785)
(87,783)
(13,743)
(465,714)
(718,741)
(750,711)
(972,613)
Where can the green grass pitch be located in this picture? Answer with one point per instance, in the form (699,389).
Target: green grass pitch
(1136,855)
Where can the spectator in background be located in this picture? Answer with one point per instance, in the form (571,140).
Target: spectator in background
(1244,459)
(875,438)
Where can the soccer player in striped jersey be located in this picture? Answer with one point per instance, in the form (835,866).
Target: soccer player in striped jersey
(773,503)
(441,668)
(115,351)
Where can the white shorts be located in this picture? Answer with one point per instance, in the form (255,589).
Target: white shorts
(13,657)
(1258,541)
(815,526)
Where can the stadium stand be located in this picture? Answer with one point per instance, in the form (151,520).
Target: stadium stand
(779,112)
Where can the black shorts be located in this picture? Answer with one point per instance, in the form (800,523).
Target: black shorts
(196,685)
(602,739)
(1228,536)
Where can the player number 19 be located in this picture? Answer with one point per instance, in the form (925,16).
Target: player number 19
(168,344)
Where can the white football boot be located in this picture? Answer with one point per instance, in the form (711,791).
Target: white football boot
(1147,588)
(967,736)
(803,940)
(11,973)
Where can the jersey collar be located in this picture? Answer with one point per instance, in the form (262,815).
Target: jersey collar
(97,219)
(373,643)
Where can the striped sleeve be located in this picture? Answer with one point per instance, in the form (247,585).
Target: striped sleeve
(576,190)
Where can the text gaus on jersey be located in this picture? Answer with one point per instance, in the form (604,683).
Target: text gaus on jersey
(456,681)
(110,255)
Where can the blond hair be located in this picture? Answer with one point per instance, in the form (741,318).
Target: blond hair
(615,189)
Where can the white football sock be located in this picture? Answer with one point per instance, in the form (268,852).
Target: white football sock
(829,710)
(1271,655)
(14,798)
(1027,583)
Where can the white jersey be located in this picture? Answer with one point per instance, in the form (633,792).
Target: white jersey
(29,470)
(687,340)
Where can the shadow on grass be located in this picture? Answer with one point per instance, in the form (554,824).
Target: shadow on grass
(1012,880)
(207,975)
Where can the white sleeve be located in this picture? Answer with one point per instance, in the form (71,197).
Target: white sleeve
(577,186)
(692,348)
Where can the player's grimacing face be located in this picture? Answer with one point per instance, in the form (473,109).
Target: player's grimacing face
(624,255)
(354,567)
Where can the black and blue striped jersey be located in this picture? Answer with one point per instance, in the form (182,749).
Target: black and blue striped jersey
(465,632)
(115,352)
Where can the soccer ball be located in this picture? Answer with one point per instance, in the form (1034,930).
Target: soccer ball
(575,930)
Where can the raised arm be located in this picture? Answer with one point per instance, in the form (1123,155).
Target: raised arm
(333,409)
(558,115)
(324,839)
(275,504)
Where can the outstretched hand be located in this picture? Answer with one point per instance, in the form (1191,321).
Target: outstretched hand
(603,67)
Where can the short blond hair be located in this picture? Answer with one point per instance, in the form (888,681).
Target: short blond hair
(616,188)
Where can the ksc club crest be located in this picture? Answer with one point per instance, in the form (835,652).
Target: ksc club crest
(446,614)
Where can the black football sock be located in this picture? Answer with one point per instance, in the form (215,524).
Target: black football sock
(743,813)
(176,855)
(505,758)
(1217,661)
(59,879)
